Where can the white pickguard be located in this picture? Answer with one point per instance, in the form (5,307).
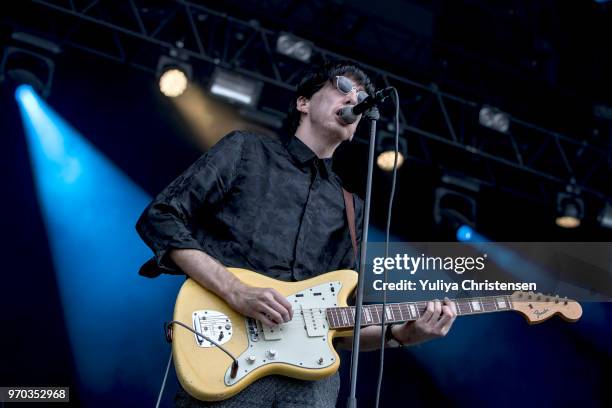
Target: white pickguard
(301,342)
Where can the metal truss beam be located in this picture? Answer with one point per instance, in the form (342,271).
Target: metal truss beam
(427,113)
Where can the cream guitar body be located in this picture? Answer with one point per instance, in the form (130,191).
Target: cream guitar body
(301,348)
(218,352)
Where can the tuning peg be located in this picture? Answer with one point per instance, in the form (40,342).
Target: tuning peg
(565,302)
(556,298)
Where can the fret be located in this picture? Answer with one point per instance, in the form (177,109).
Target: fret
(405,312)
(397,311)
(401,312)
(368,314)
(330,317)
(413,311)
(393,315)
(468,303)
(458,306)
(388,312)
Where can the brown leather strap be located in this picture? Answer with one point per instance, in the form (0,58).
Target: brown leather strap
(350,216)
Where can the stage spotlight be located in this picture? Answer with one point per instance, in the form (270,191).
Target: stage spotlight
(385,145)
(20,66)
(174,76)
(173,82)
(235,88)
(294,47)
(454,212)
(605,217)
(495,119)
(570,210)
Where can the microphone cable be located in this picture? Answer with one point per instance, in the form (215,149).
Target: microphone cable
(387,229)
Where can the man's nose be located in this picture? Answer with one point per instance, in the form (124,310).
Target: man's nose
(351,97)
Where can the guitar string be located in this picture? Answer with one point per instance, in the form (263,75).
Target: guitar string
(394,308)
(492,303)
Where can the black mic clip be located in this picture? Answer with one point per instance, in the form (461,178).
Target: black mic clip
(349,114)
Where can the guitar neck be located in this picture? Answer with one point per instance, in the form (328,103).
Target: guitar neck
(344,317)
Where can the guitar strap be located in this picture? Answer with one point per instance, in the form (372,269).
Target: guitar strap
(350,216)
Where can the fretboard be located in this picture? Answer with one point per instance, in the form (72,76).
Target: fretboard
(344,317)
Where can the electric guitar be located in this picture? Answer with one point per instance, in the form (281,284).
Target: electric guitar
(218,352)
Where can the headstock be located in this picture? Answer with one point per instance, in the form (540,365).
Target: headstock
(537,307)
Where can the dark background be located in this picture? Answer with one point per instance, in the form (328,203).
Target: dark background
(544,62)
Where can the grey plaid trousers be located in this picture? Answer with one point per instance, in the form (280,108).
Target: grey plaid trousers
(274,392)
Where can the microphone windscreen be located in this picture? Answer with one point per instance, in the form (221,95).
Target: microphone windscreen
(347,116)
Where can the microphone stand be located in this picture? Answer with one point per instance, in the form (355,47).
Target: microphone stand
(372,115)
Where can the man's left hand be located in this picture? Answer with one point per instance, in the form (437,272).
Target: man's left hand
(435,322)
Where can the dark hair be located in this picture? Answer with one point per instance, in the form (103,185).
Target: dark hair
(315,78)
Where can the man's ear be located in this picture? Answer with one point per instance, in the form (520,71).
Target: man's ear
(302,104)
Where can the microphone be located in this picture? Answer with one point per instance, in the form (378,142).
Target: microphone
(348,114)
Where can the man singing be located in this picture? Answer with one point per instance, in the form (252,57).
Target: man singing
(274,206)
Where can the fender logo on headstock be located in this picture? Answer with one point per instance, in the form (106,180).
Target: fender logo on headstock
(539,313)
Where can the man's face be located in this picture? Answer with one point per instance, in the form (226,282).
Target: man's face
(322,111)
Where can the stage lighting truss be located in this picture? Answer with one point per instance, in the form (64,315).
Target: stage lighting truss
(235,88)
(438,126)
(174,76)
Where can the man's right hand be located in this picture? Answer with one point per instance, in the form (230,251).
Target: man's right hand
(264,304)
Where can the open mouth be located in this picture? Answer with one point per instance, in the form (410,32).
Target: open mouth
(339,117)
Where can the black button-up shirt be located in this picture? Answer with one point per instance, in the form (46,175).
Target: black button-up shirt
(258,203)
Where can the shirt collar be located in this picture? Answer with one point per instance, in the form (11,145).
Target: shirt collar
(302,154)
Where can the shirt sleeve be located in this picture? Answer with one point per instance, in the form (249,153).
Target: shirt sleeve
(168,221)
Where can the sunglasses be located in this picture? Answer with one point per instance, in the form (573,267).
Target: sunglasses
(346,86)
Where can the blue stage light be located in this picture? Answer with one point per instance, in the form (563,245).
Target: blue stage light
(89,207)
(464,233)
